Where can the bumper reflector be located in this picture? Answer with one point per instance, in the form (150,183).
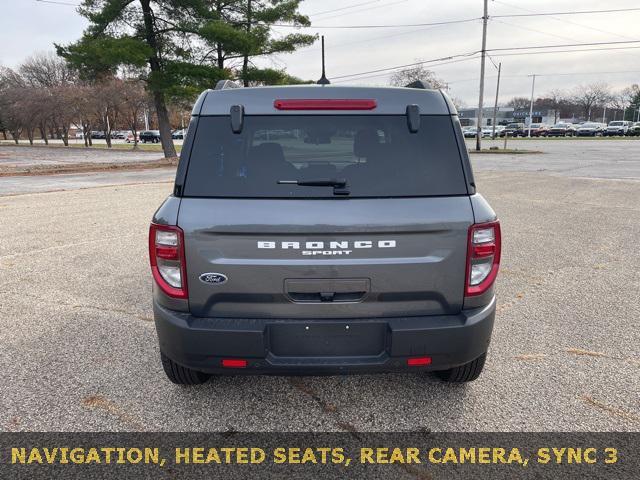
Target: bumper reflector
(418,361)
(234,363)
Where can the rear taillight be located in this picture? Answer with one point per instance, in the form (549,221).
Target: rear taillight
(166,254)
(483,257)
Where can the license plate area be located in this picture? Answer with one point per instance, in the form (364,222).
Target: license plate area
(327,339)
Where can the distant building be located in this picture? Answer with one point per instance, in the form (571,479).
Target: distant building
(469,116)
(540,115)
(505,115)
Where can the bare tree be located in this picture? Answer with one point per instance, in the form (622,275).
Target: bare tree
(62,112)
(11,88)
(46,70)
(45,74)
(553,100)
(106,102)
(11,112)
(587,97)
(83,108)
(134,102)
(404,77)
(519,103)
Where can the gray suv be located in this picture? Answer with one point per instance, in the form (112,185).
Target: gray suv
(324,229)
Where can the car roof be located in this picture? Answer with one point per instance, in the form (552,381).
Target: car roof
(260,100)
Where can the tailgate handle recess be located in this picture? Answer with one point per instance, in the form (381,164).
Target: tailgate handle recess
(326,291)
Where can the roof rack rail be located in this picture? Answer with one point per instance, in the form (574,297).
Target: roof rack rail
(422,84)
(225,84)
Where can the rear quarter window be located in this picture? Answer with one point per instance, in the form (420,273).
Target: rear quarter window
(375,154)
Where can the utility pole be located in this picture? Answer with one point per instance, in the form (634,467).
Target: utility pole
(604,114)
(485,17)
(533,86)
(495,105)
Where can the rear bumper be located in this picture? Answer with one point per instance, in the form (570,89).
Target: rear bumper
(296,346)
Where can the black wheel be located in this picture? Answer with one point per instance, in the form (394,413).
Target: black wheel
(182,375)
(464,373)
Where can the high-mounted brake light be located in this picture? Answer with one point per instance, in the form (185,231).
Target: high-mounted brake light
(326,104)
(483,257)
(166,255)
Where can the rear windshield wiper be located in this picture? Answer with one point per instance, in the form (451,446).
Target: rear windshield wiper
(339,185)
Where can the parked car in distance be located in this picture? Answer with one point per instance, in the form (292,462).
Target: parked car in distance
(590,129)
(537,130)
(513,130)
(130,138)
(152,136)
(290,257)
(119,134)
(634,130)
(562,129)
(488,131)
(617,128)
(470,132)
(179,134)
(98,135)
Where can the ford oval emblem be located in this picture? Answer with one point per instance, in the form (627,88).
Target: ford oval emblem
(214,278)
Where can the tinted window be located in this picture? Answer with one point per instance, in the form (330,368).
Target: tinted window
(376,155)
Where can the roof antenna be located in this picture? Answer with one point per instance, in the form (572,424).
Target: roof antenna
(323,80)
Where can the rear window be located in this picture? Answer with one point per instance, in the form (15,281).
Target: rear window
(616,124)
(376,155)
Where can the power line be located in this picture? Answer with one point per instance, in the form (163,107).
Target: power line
(59,3)
(343,8)
(562,45)
(563,20)
(544,14)
(564,51)
(548,14)
(523,75)
(403,25)
(507,49)
(521,27)
(451,57)
(367,9)
(387,73)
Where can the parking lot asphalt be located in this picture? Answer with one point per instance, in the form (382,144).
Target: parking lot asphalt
(80,352)
(14,185)
(26,156)
(591,158)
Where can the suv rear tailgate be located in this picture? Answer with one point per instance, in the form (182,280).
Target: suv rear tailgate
(334,258)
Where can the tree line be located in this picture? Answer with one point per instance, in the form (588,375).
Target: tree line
(171,50)
(588,102)
(45,97)
(585,101)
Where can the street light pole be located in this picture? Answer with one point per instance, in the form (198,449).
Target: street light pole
(533,86)
(482,59)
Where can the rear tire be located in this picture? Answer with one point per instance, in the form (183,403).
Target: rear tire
(464,373)
(181,375)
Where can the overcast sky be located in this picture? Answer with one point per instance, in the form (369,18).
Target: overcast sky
(29,26)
